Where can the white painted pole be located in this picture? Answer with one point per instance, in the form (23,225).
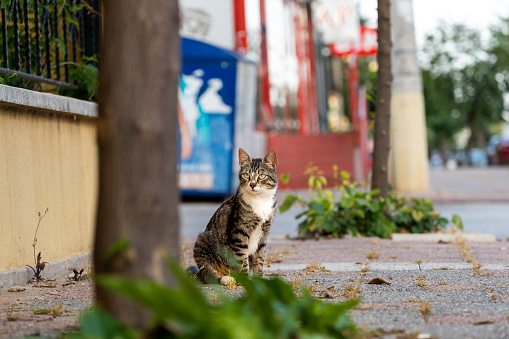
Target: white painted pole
(408,160)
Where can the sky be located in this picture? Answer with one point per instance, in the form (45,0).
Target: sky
(428,13)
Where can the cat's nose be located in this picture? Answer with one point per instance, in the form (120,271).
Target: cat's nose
(252,184)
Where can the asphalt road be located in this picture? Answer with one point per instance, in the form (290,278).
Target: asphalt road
(492,218)
(481,217)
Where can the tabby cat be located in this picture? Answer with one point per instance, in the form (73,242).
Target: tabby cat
(236,235)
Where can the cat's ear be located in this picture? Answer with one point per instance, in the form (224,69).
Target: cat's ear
(271,159)
(244,158)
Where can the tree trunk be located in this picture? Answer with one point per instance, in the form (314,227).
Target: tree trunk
(137,137)
(383,101)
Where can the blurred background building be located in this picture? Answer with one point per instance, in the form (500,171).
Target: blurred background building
(303,77)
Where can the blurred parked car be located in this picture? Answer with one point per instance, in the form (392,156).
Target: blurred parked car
(478,157)
(435,160)
(491,149)
(461,158)
(503,150)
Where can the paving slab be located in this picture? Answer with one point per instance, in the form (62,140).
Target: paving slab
(445,237)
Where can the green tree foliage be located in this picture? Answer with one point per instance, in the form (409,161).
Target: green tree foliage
(83,73)
(463,83)
(500,49)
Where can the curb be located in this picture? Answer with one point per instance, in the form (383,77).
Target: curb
(354,267)
(23,275)
(445,237)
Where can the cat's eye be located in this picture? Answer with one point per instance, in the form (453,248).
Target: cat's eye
(262,176)
(245,175)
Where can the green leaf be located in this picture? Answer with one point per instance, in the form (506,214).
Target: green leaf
(428,203)
(5,3)
(456,220)
(417,215)
(300,215)
(330,226)
(347,201)
(311,181)
(317,207)
(329,195)
(359,213)
(99,324)
(285,178)
(345,175)
(42,311)
(288,202)
(119,246)
(374,206)
(442,222)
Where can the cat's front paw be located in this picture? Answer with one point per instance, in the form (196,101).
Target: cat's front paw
(226,280)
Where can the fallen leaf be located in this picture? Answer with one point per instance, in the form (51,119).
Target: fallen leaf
(49,285)
(379,281)
(16,289)
(443,242)
(42,311)
(325,295)
(484,322)
(50,279)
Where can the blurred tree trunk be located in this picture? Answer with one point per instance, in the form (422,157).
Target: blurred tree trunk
(137,137)
(383,101)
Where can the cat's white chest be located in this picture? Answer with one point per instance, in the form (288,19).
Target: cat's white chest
(261,205)
(254,240)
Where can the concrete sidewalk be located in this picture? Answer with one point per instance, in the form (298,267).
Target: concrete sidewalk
(458,289)
(437,290)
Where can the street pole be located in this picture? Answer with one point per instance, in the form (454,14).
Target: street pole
(408,163)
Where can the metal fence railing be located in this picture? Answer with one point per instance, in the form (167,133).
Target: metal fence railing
(43,39)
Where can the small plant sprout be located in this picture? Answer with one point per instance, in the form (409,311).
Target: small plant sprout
(77,274)
(352,291)
(421,281)
(373,255)
(314,268)
(57,311)
(425,308)
(39,267)
(37,229)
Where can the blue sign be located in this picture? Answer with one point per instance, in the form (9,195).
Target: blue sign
(206,118)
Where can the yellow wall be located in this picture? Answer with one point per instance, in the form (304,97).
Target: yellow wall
(47,160)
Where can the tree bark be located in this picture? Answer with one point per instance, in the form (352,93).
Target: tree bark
(383,101)
(137,137)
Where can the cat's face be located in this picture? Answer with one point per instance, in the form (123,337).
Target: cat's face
(258,175)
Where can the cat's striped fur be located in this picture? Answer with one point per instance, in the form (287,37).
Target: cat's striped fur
(236,235)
